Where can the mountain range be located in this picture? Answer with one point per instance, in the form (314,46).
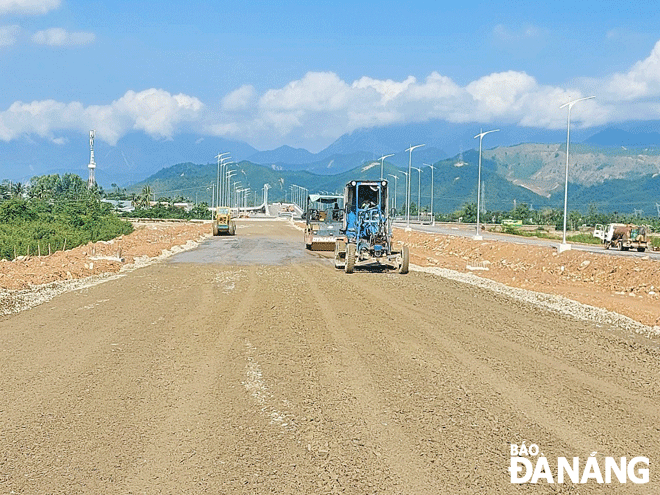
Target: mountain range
(454,184)
(137,156)
(525,164)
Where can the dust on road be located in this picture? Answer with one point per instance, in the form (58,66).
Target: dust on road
(290,376)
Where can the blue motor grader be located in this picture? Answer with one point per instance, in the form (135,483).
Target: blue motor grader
(365,238)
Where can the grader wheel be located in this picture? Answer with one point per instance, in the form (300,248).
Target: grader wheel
(405,260)
(350,258)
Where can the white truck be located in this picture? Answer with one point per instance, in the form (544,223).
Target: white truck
(623,236)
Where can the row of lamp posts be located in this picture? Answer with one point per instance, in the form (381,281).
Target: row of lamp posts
(224,186)
(562,247)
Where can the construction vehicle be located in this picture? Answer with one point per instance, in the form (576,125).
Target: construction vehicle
(623,236)
(366,235)
(223,223)
(323,220)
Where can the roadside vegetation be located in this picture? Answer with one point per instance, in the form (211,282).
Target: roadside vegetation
(53,213)
(518,221)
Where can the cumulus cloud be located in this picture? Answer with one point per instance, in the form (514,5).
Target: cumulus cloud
(321,106)
(28,6)
(317,91)
(8,35)
(641,81)
(154,111)
(239,99)
(61,37)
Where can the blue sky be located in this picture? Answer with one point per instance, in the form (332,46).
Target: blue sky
(303,73)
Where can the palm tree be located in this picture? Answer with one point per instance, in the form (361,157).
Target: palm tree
(146,195)
(17,190)
(5,190)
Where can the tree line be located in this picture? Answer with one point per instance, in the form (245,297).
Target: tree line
(547,217)
(54,212)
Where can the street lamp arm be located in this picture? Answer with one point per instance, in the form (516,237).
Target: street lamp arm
(573,102)
(482,134)
(414,147)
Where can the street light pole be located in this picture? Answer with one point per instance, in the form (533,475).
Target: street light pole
(419,194)
(381,164)
(396,179)
(226,191)
(409,177)
(481,137)
(432,169)
(223,167)
(217,179)
(563,246)
(406,184)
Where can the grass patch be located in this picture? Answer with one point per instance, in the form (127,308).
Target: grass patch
(584,239)
(540,233)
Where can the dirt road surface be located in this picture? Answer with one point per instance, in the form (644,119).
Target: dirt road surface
(251,366)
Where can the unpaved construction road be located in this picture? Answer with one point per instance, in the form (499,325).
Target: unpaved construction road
(251,366)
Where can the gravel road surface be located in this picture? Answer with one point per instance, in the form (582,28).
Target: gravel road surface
(252,366)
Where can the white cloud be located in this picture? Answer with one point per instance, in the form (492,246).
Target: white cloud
(28,6)
(501,93)
(641,81)
(154,111)
(61,37)
(320,106)
(317,91)
(8,35)
(239,99)
(388,89)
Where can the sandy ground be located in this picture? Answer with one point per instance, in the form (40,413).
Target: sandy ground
(149,239)
(296,378)
(626,285)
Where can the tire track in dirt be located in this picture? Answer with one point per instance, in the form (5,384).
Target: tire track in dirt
(520,401)
(180,439)
(542,363)
(545,399)
(325,450)
(395,448)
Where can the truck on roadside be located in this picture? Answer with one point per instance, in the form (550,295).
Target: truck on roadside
(623,236)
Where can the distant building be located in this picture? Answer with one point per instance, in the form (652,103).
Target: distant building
(120,205)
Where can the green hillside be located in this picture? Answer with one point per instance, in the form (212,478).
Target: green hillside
(454,185)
